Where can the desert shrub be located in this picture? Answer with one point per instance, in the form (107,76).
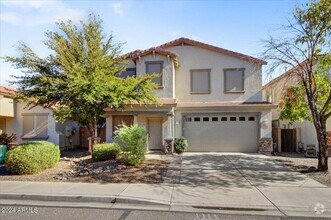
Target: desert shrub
(180,145)
(32,157)
(106,151)
(133,141)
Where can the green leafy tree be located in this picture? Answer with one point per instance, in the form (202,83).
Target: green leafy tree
(308,45)
(294,104)
(80,78)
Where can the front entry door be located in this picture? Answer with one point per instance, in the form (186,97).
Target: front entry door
(155,133)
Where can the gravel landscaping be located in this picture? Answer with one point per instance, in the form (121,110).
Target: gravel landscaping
(304,165)
(77,166)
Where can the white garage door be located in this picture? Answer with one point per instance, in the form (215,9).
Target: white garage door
(221,133)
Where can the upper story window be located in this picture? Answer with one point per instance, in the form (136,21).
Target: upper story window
(234,80)
(155,67)
(200,81)
(35,125)
(129,72)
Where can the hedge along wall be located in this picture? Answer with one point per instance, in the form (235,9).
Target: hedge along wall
(32,157)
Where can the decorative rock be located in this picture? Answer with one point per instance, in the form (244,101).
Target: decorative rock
(112,168)
(96,171)
(265,145)
(81,174)
(124,166)
(86,173)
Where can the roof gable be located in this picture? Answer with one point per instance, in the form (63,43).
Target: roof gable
(185,41)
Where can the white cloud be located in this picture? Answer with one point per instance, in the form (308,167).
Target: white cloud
(32,13)
(118,8)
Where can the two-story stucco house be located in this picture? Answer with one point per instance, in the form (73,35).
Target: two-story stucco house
(211,96)
(273,92)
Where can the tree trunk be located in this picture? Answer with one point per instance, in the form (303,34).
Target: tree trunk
(92,128)
(322,146)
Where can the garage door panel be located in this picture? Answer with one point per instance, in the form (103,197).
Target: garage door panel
(224,136)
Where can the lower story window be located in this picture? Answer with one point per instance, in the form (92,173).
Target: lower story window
(35,126)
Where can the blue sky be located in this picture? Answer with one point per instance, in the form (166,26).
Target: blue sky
(235,25)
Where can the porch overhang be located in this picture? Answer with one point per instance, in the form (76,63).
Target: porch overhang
(166,107)
(147,112)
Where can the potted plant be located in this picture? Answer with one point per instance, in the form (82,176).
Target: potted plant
(5,140)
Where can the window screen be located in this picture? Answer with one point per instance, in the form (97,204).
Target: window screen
(155,67)
(28,126)
(129,72)
(41,125)
(234,80)
(35,126)
(200,81)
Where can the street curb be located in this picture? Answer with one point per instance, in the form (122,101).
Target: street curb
(76,198)
(130,200)
(58,198)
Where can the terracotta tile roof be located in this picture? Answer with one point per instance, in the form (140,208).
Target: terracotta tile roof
(140,53)
(132,53)
(225,104)
(186,41)
(7,91)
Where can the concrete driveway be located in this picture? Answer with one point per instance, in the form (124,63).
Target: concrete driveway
(250,181)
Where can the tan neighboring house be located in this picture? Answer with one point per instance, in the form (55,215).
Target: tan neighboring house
(210,95)
(273,92)
(37,123)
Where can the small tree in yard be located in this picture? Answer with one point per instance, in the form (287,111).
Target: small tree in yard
(80,78)
(308,53)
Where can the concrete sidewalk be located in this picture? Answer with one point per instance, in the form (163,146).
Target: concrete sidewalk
(252,184)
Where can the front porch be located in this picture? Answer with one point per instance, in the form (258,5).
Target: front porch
(158,121)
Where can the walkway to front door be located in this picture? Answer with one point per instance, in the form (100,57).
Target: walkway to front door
(155,133)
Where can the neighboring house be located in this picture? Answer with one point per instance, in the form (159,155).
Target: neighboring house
(37,123)
(273,92)
(211,96)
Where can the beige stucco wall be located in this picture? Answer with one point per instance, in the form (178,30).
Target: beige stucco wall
(15,125)
(167,91)
(191,57)
(274,92)
(6,107)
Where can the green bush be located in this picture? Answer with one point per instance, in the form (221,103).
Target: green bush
(32,157)
(133,141)
(106,151)
(180,145)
